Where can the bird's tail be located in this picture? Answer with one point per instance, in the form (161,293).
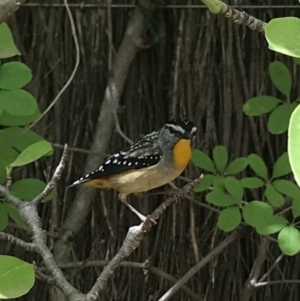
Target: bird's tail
(97,183)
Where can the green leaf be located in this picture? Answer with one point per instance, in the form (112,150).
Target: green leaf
(271,225)
(282,166)
(12,120)
(234,187)
(201,160)
(1,111)
(220,157)
(8,155)
(294,143)
(3,173)
(18,102)
(287,188)
(252,183)
(229,219)
(296,207)
(273,196)
(7,45)
(289,241)
(14,75)
(255,212)
(219,198)
(16,277)
(258,166)
(205,183)
(15,216)
(3,217)
(32,153)
(281,77)
(278,121)
(28,189)
(236,166)
(218,183)
(20,139)
(260,105)
(282,35)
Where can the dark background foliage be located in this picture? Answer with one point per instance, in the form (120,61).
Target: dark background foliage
(203,67)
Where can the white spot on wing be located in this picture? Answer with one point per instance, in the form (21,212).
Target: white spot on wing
(107,162)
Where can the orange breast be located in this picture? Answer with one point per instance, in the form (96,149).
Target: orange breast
(182,153)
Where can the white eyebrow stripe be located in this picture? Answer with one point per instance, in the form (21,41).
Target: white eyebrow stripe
(176,128)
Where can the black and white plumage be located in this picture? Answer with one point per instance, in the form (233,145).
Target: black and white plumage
(144,153)
(153,161)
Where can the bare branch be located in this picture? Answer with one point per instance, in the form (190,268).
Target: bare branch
(29,214)
(238,17)
(67,84)
(125,55)
(8,7)
(55,178)
(28,246)
(128,264)
(80,150)
(256,269)
(134,238)
(271,268)
(41,276)
(195,269)
(291,281)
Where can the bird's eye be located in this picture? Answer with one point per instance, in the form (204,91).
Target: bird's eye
(193,131)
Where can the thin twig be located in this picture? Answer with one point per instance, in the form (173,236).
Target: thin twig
(41,276)
(75,38)
(128,264)
(134,238)
(29,214)
(291,281)
(28,246)
(80,150)
(238,17)
(195,269)
(256,269)
(271,268)
(111,72)
(55,178)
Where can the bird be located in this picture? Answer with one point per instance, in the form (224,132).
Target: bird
(156,159)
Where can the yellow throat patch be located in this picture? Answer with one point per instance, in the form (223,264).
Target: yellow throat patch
(182,153)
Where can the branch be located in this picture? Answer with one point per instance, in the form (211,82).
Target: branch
(41,276)
(256,269)
(127,52)
(276,262)
(8,7)
(133,240)
(28,246)
(291,281)
(67,84)
(55,178)
(195,269)
(28,212)
(128,264)
(242,18)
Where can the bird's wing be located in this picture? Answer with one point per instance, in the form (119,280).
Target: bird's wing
(142,154)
